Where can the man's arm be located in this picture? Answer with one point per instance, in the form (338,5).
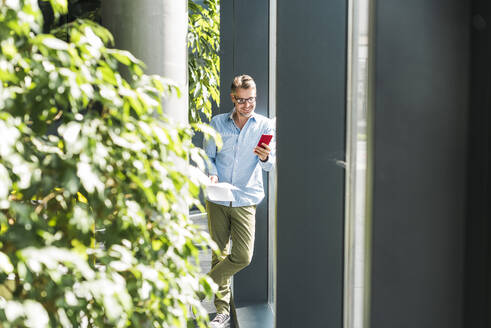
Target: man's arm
(267,155)
(211,151)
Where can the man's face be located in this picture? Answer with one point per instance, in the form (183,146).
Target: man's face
(244,101)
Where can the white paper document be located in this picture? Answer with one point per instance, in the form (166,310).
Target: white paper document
(220,192)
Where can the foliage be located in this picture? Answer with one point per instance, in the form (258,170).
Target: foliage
(203,58)
(203,50)
(95,184)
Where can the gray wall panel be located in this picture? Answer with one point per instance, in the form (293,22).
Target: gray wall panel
(252,58)
(245,50)
(311,80)
(420,126)
(478,241)
(251,46)
(227,54)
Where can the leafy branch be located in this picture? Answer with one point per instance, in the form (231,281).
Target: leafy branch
(203,58)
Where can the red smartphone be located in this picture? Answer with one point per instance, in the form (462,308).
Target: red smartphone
(265,138)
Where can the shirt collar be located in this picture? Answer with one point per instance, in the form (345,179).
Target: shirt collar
(231,116)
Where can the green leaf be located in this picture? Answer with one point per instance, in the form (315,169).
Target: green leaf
(5,264)
(59,6)
(54,43)
(124,57)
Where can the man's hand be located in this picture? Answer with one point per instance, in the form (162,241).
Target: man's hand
(213,178)
(262,152)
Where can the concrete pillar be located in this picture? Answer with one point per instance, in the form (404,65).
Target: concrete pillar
(244,48)
(155,31)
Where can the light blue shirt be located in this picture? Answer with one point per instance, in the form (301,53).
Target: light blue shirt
(236,163)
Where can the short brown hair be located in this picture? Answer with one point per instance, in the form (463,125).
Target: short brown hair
(242,82)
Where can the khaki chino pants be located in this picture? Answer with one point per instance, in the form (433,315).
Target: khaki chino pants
(227,225)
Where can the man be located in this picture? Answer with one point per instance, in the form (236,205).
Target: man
(239,162)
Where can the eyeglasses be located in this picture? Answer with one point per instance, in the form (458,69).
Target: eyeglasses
(244,100)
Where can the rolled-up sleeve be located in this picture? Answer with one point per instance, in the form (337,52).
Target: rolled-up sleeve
(211,151)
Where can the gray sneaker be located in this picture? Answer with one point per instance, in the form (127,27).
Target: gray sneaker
(221,320)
